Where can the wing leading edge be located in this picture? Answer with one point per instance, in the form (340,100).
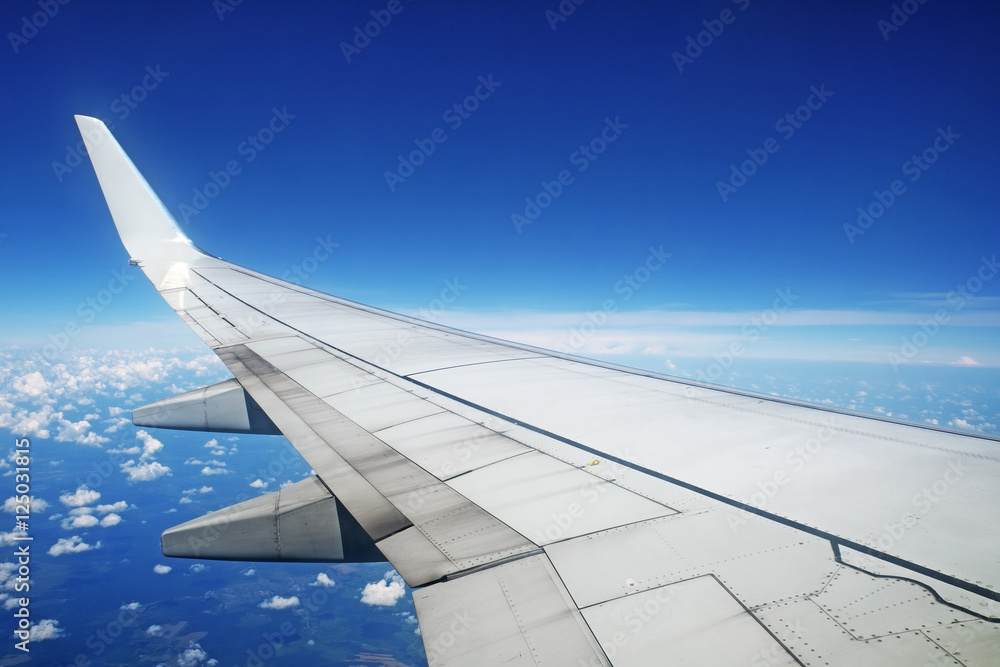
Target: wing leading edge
(554,510)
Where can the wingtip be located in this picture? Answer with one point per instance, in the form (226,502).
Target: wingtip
(147,229)
(82,120)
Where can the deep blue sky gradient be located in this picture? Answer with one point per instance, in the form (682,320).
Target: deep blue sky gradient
(655,185)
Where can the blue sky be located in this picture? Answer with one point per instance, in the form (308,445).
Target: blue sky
(693,166)
(203,81)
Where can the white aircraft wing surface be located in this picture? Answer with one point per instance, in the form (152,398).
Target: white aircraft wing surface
(552,510)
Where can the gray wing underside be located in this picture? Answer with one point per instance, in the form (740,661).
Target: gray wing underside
(549,509)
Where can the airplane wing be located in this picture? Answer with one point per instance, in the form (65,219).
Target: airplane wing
(553,510)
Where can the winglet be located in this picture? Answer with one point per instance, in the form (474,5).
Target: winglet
(148,231)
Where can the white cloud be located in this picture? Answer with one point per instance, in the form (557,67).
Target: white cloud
(78,432)
(193,656)
(150,445)
(35,505)
(248,572)
(120,506)
(214,471)
(7,576)
(80,521)
(966,361)
(155,630)
(31,384)
(198,567)
(131,451)
(111,520)
(92,440)
(10,538)
(162,569)
(71,545)
(144,472)
(82,496)
(384,593)
(258,484)
(278,602)
(47,628)
(217,449)
(31,423)
(117,423)
(323,579)
(131,606)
